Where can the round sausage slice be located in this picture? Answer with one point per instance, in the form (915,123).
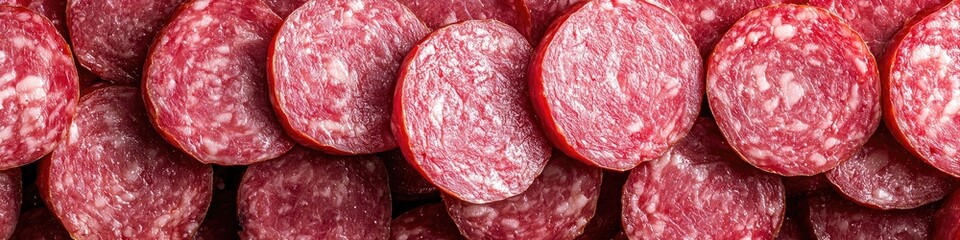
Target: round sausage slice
(115,177)
(205,83)
(38,87)
(461,114)
(794,89)
(557,206)
(310,195)
(921,105)
(333,69)
(616,83)
(701,190)
(707,20)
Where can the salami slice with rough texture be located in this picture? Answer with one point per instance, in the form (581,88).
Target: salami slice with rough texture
(708,20)
(39,224)
(461,114)
(284,7)
(876,21)
(557,206)
(536,15)
(832,217)
(701,190)
(920,106)
(53,10)
(794,89)
(406,183)
(616,83)
(307,194)
(883,175)
(605,224)
(111,38)
(115,177)
(428,222)
(334,95)
(439,13)
(946,222)
(207,93)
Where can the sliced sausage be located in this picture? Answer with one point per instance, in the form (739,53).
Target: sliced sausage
(115,177)
(877,21)
(707,20)
(616,83)
(427,222)
(794,89)
(701,190)
(205,83)
(832,217)
(332,94)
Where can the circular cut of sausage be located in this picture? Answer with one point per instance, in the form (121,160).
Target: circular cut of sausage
(111,38)
(557,206)
(333,70)
(427,222)
(877,21)
(307,194)
(205,83)
(707,20)
(833,217)
(616,83)
(794,89)
(38,87)
(700,189)
(946,222)
(883,175)
(461,114)
(115,177)
(921,103)
(439,13)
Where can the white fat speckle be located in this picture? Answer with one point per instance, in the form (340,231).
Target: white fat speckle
(760,76)
(356,5)
(818,159)
(830,142)
(708,15)
(928,52)
(784,32)
(791,92)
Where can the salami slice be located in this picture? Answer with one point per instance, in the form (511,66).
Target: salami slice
(461,114)
(284,7)
(307,194)
(536,15)
(439,13)
(205,83)
(427,222)
(616,83)
(557,206)
(794,89)
(698,190)
(112,38)
(53,10)
(883,175)
(876,21)
(832,217)
(115,177)
(707,20)
(335,95)
(920,106)
(946,223)
(605,224)
(39,224)
(406,183)
(38,87)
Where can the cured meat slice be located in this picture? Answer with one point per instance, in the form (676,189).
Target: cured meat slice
(557,206)
(427,222)
(707,20)
(111,38)
(207,93)
(335,95)
(804,185)
(832,217)
(406,183)
(698,190)
(920,107)
(439,13)
(461,114)
(877,21)
(10,191)
(39,224)
(38,87)
(794,89)
(605,224)
(616,83)
(115,177)
(946,223)
(53,10)
(539,14)
(307,194)
(284,7)
(221,220)
(883,175)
